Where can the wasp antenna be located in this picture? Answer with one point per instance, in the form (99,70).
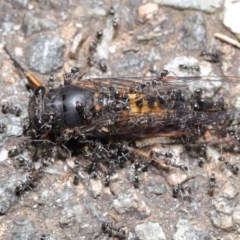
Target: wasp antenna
(15,62)
(33,81)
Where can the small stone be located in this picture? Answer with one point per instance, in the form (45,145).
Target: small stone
(129,201)
(229,191)
(68,218)
(3,155)
(130,61)
(173,65)
(71,214)
(176,177)
(150,231)
(76,42)
(96,187)
(157,188)
(33,24)
(147,10)
(222,205)
(14,130)
(20,3)
(7,198)
(232,17)
(236,217)
(103,50)
(44,197)
(22,229)
(45,54)
(221,220)
(203,5)
(193,34)
(185,231)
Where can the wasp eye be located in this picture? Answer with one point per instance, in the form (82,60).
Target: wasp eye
(40,91)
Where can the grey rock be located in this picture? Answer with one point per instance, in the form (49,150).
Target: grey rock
(231,17)
(33,24)
(63,197)
(150,231)
(76,42)
(193,35)
(23,229)
(95,187)
(67,219)
(7,198)
(229,191)
(3,154)
(71,214)
(45,54)
(103,47)
(222,205)
(130,202)
(221,220)
(209,87)
(186,231)
(157,188)
(14,130)
(20,3)
(236,217)
(131,61)
(44,197)
(207,6)
(8,27)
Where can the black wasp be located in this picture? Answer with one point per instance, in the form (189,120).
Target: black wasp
(104,112)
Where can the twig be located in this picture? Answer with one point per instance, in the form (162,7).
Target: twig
(227,39)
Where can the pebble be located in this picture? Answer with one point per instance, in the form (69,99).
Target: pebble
(232,17)
(14,130)
(158,188)
(150,231)
(22,229)
(203,5)
(96,187)
(45,54)
(222,205)
(134,62)
(44,197)
(71,214)
(193,35)
(3,155)
(20,3)
(221,220)
(236,217)
(173,66)
(147,10)
(33,24)
(176,177)
(76,42)
(229,191)
(186,231)
(103,49)
(7,198)
(130,201)
(62,197)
